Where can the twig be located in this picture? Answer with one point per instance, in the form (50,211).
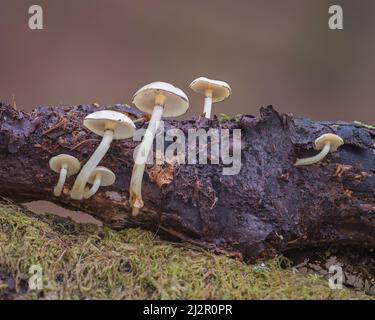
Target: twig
(58,125)
(83,142)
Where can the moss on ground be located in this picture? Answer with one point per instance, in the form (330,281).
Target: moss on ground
(90,262)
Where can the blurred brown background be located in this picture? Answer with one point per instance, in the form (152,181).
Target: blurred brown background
(269,51)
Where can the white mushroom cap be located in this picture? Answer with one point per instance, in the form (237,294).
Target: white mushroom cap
(176,102)
(100,121)
(108,177)
(334,140)
(72,163)
(220,89)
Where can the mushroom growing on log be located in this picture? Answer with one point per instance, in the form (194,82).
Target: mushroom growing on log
(158,99)
(213,90)
(270,207)
(326,143)
(100,177)
(111,126)
(66,166)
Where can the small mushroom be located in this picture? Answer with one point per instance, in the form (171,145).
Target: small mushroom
(66,166)
(326,143)
(110,125)
(213,90)
(100,177)
(158,99)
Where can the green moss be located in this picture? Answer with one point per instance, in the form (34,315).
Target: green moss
(225,118)
(85,261)
(363,125)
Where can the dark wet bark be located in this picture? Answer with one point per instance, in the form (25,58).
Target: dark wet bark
(271,206)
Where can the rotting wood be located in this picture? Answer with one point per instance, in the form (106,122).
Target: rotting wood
(270,207)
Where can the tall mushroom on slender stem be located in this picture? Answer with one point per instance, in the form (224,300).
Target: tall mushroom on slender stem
(66,166)
(158,99)
(213,90)
(326,143)
(100,177)
(110,125)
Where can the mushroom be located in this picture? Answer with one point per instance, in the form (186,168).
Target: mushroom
(213,90)
(100,177)
(326,143)
(111,125)
(66,166)
(158,99)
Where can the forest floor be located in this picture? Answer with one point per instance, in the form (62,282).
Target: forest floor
(85,261)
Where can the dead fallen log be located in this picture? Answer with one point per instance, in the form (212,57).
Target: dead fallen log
(270,206)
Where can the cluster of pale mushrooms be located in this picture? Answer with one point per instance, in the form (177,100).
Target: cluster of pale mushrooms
(159,99)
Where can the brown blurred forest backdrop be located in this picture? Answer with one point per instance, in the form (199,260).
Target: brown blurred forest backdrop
(270,51)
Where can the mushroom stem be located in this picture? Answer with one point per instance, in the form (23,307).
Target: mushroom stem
(142,155)
(321,155)
(91,164)
(60,184)
(207,103)
(94,188)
